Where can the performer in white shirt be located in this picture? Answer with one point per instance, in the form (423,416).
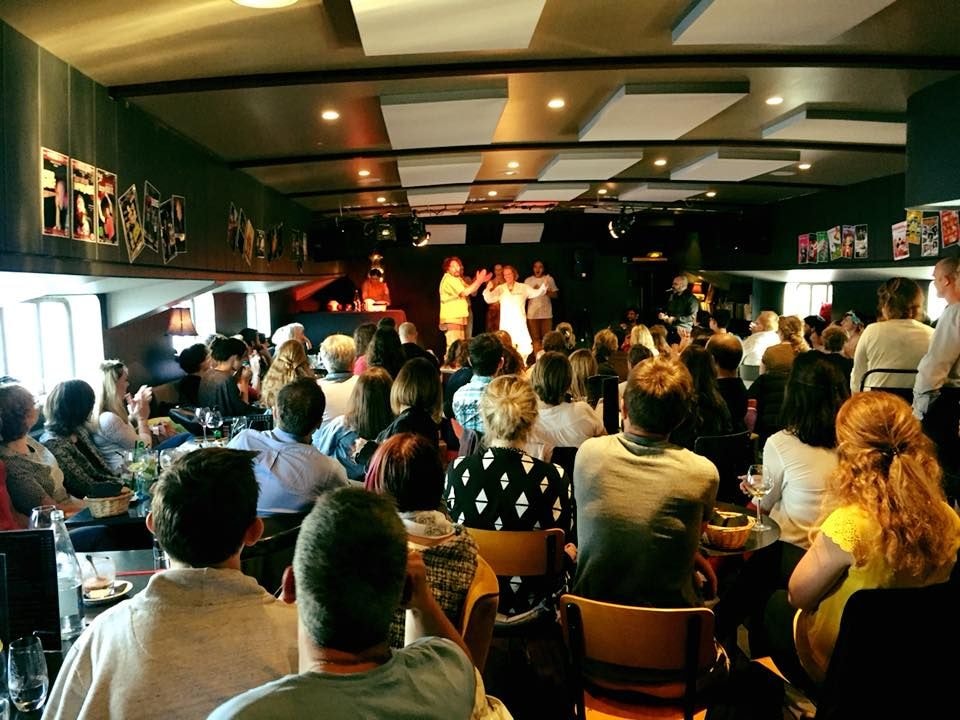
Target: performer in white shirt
(513,297)
(540,310)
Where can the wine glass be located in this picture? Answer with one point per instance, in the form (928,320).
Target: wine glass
(758,484)
(42,516)
(213,419)
(27,679)
(201,413)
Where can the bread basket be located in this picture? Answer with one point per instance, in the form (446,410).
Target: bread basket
(729,538)
(110,506)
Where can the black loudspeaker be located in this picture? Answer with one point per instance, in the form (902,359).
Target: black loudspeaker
(582,265)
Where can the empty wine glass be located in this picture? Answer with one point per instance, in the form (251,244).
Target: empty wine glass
(27,679)
(213,419)
(758,484)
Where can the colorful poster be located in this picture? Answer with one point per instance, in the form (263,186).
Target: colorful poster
(130,215)
(823,249)
(232,226)
(106,203)
(151,216)
(55,191)
(833,237)
(248,238)
(275,243)
(930,240)
(861,246)
(949,227)
(168,241)
(812,249)
(803,250)
(914,223)
(847,237)
(260,249)
(83,179)
(901,248)
(179,222)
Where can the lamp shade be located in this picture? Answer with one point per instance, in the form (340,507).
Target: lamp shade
(181,322)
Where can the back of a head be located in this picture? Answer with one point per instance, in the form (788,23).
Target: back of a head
(407,468)
(338,353)
(722,317)
(350,565)
(486,351)
(727,351)
(407,332)
(250,336)
(109,397)
(659,395)
(290,357)
(222,349)
(301,404)
(701,366)
(368,409)
(203,505)
(833,339)
(551,377)
(192,358)
(362,336)
(640,335)
(816,323)
(16,405)
(417,385)
(508,407)
(387,322)
(900,298)
(68,406)
(815,391)
(553,342)
(452,356)
(386,351)
(791,331)
(604,344)
(637,354)
(768,321)
(569,336)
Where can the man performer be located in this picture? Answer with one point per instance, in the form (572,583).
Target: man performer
(681,309)
(454,291)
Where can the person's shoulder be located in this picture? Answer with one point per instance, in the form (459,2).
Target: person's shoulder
(248,439)
(427,654)
(260,702)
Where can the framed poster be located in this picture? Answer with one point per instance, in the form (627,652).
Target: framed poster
(106,203)
(55,192)
(83,180)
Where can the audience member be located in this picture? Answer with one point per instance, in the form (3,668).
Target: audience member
(410,344)
(720,321)
(834,339)
(337,353)
(486,359)
(659,334)
(224,386)
(709,414)
(813,327)
(569,336)
(291,331)
(727,352)
(120,419)
(553,341)
(583,365)
(361,339)
(779,357)
(193,360)
(290,364)
(763,334)
(513,362)
(853,326)
(462,372)
(416,399)
(385,351)
(604,346)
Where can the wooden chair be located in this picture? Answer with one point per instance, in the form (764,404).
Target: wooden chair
(480,613)
(732,454)
(677,643)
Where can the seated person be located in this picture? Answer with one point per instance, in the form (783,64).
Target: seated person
(337,353)
(10,519)
(292,473)
(727,352)
(223,386)
(416,398)
(407,468)
(351,571)
(710,416)
(290,364)
(486,359)
(411,347)
(193,361)
(201,631)
(67,410)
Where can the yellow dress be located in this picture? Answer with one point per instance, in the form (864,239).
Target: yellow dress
(815,631)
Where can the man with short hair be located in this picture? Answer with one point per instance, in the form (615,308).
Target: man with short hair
(337,353)
(351,570)
(540,309)
(682,307)
(763,335)
(225,386)
(486,358)
(201,631)
(291,472)
(411,348)
(642,501)
(727,351)
(720,321)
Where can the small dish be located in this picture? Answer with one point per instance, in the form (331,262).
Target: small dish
(121,588)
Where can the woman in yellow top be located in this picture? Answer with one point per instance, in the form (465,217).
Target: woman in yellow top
(886,525)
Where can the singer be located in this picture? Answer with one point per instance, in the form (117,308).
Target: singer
(682,307)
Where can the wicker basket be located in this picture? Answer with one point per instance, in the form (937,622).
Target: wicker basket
(729,538)
(107,507)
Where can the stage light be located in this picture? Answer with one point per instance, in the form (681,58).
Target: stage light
(419,236)
(620,225)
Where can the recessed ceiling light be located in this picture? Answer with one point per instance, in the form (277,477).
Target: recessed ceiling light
(513,164)
(265,4)
(364,173)
(330,115)
(381,199)
(510,172)
(783,173)
(804,166)
(491,193)
(556,103)
(484,208)
(602,191)
(712,193)
(660,162)
(775,100)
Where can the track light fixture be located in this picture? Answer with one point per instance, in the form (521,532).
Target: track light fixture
(380,231)
(620,225)
(419,236)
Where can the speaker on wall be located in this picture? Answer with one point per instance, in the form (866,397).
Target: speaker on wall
(582,264)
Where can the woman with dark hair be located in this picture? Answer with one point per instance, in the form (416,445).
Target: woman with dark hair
(361,338)
(345,438)
(416,399)
(408,469)
(67,412)
(194,360)
(710,415)
(604,346)
(386,351)
(513,362)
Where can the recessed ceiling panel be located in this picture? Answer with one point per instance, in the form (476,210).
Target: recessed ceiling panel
(551,193)
(399,27)
(439,119)
(771,22)
(588,166)
(516,233)
(661,192)
(840,126)
(733,166)
(449,170)
(661,111)
(447,234)
(437,196)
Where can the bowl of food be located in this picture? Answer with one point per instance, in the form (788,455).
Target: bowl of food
(728,530)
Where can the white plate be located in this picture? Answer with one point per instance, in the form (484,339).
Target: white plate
(121,588)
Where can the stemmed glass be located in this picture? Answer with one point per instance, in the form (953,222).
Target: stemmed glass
(201,413)
(758,484)
(27,678)
(211,419)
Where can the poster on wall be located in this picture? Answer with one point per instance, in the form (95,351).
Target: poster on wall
(823,252)
(275,243)
(847,237)
(914,223)
(232,226)
(812,249)
(55,191)
(106,204)
(151,216)
(901,248)
(861,245)
(833,237)
(248,238)
(179,222)
(260,249)
(949,227)
(130,220)
(83,179)
(803,248)
(930,240)
(168,242)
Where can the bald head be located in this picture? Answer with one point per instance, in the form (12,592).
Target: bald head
(407,332)
(727,352)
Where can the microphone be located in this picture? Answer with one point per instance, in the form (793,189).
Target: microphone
(669,290)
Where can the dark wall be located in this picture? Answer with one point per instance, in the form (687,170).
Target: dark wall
(145,349)
(231,311)
(933,144)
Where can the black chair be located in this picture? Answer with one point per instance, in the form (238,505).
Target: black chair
(267,560)
(732,454)
(905,393)
(608,388)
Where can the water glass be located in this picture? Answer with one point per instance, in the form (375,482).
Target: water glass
(27,678)
(42,517)
(99,575)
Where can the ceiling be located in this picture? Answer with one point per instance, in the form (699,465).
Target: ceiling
(437,98)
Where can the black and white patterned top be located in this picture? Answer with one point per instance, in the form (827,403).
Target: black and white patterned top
(507,489)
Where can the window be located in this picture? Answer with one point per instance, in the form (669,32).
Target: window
(803,299)
(935,305)
(258,312)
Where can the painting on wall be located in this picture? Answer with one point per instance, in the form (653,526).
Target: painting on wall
(55,192)
(130,221)
(168,242)
(901,248)
(930,236)
(106,204)
(861,244)
(151,216)
(83,179)
(179,218)
(949,227)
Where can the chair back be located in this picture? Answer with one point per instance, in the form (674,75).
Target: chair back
(564,456)
(267,559)
(732,454)
(905,392)
(480,613)
(606,387)
(749,373)
(521,553)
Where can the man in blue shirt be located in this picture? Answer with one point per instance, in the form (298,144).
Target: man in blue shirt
(486,358)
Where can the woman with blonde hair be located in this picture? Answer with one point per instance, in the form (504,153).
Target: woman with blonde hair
(583,365)
(290,364)
(779,358)
(640,335)
(659,335)
(120,419)
(885,524)
(604,346)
